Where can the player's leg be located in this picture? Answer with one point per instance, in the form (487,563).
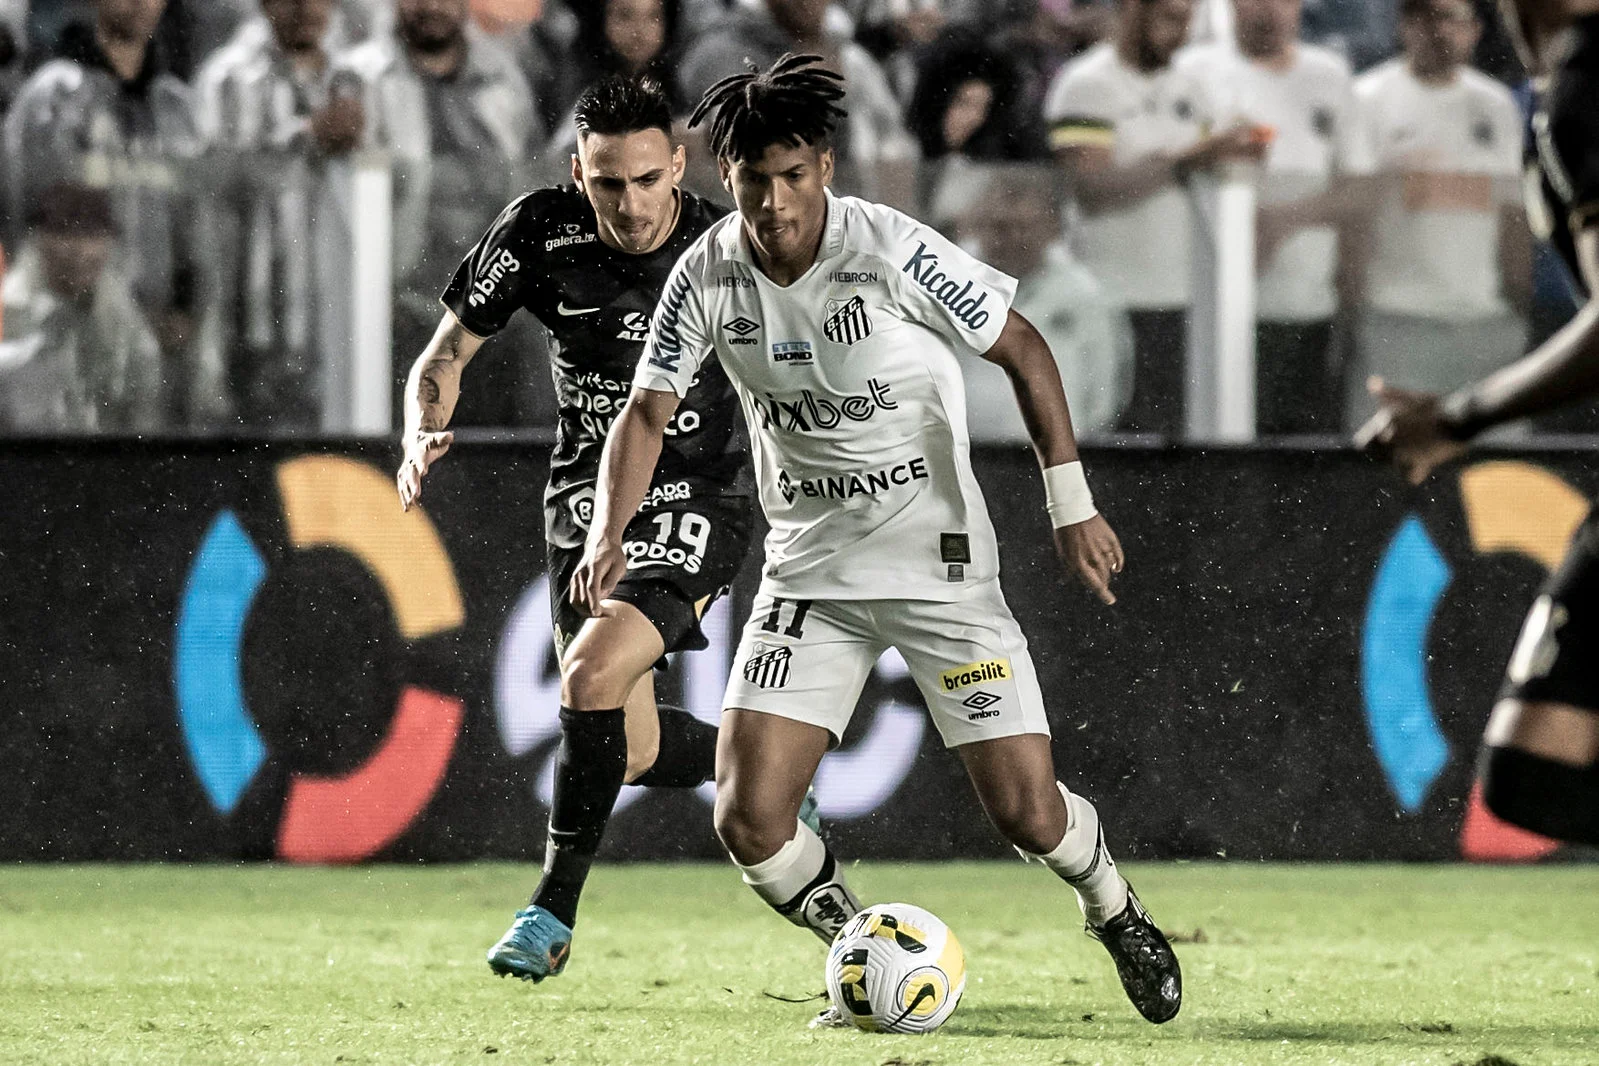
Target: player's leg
(1540,761)
(983,694)
(798,672)
(599,672)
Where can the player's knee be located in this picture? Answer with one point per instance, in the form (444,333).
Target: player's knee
(1542,795)
(594,683)
(752,832)
(1031,820)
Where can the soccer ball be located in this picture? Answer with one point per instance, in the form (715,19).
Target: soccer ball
(895,968)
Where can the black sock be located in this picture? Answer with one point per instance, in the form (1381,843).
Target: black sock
(687,756)
(1542,795)
(589,769)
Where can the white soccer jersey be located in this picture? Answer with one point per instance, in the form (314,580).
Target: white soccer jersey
(1310,106)
(853,396)
(1453,154)
(1140,252)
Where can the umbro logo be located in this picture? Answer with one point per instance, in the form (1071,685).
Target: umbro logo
(980,700)
(741,328)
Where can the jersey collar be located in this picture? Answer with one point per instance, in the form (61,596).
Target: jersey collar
(735,248)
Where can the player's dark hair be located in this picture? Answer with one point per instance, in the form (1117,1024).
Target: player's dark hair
(793,103)
(623,104)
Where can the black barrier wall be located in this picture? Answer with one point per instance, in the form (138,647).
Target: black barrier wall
(221,651)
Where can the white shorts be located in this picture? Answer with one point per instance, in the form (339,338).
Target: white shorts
(807,660)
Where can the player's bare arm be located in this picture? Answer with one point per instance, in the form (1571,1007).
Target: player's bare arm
(1090,547)
(1418,431)
(431,391)
(632,449)
(1100,184)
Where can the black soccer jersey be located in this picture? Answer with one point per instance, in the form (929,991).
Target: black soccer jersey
(544,254)
(1566,137)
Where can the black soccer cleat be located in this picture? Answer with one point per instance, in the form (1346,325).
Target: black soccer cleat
(1144,961)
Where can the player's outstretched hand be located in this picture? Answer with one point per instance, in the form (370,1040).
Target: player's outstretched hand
(1407,429)
(1093,553)
(603,566)
(422,450)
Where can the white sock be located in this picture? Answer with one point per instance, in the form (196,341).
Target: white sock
(1082,861)
(803,883)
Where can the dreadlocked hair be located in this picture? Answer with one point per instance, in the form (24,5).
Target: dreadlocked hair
(793,103)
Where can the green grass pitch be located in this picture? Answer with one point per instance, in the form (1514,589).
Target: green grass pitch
(678,964)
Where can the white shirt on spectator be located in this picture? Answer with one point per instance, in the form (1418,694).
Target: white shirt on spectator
(1141,252)
(1310,108)
(1454,152)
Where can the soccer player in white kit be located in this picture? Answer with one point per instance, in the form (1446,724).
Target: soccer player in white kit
(838,322)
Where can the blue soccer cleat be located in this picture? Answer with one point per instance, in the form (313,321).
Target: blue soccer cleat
(810,812)
(535,947)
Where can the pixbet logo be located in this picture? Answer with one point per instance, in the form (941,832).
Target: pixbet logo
(809,413)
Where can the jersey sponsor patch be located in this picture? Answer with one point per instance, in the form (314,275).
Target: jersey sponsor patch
(635,327)
(847,321)
(489,280)
(792,352)
(807,412)
(923,267)
(768,665)
(848,486)
(968,674)
(954,548)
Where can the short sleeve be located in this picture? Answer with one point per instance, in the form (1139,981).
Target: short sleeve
(1080,110)
(491,282)
(961,298)
(1574,135)
(678,342)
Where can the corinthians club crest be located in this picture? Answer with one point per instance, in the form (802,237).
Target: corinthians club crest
(847,321)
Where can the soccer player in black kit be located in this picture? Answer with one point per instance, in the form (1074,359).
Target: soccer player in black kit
(589,260)
(1540,759)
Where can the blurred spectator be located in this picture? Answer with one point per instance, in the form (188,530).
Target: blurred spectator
(1015,227)
(628,37)
(759,31)
(268,122)
(1045,34)
(78,355)
(966,103)
(1449,272)
(1128,128)
(457,119)
(104,115)
(1304,95)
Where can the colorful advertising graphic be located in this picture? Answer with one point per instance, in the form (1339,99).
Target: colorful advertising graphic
(1511,507)
(343,504)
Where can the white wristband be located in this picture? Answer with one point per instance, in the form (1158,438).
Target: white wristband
(1066,495)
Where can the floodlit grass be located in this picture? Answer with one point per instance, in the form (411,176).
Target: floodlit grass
(678,964)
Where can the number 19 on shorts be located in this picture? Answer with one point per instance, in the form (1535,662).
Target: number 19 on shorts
(685,549)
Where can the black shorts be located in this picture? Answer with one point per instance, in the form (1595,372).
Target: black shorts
(1557,655)
(681,557)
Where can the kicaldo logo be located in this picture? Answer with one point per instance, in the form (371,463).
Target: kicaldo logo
(338,503)
(1512,507)
(957,678)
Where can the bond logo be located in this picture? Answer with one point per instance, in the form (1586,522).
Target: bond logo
(792,352)
(768,666)
(502,264)
(847,322)
(741,328)
(635,327)
(809,412)
(923,267)
(959,677)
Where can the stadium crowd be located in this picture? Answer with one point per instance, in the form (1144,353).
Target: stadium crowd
(175,240)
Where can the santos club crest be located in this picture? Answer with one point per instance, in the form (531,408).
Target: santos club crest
(847,321)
